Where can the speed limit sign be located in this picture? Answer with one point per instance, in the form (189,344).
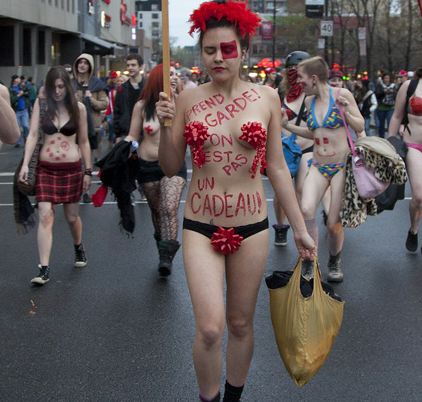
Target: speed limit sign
(327,28)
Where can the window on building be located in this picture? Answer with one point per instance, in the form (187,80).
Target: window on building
(68,5)
(154,7)
(56,3)
(73,6)
(62,4)
(26,48)
(140,15)
(155,24)
(155,16)
(41,48)
(6,46)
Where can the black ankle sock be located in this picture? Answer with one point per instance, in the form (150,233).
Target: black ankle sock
(334,258)
(215,399)
(77,246)
(232,393)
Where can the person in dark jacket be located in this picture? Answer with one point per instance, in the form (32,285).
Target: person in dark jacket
(127,96)
(90,91)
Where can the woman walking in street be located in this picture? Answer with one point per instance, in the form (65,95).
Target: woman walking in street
(326,168)
(409,106)
(386,96)
(233,130)
(59,175)
(293,104)
(162,193)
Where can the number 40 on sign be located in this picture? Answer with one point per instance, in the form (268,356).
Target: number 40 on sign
(327,28)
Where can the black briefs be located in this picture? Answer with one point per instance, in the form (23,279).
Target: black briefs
(208,230)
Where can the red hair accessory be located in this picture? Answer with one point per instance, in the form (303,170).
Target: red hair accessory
(196,133)
(236,13)
(226,241)
(256,136)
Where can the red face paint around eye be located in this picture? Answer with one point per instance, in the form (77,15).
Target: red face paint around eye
(229,50)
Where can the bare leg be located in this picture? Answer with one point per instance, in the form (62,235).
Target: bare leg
(334,226)
(207,296)
(248,262)
(71,212)
(414,167)
(45,231)
(314,187)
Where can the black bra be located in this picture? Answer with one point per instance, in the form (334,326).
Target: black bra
(49,128)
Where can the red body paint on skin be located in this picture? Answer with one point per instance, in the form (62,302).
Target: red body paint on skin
(236,106)
(325,140)
(229,50)
(257,94)
(52,142)
(229,205)
(48,150)
(65,146)
(317,141)
(149,130)
(206,184)
(51,155)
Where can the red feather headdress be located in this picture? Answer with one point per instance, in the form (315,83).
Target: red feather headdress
(236,13)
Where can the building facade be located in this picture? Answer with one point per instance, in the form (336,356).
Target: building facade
(38,34)
(149,22)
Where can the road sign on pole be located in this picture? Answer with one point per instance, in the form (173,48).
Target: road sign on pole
(326,28)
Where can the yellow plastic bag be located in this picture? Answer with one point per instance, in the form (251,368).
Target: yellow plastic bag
(305,327)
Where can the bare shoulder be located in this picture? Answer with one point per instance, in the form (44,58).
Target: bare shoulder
(4,92)
(82,108)
(138,105)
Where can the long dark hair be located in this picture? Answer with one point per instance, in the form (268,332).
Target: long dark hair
(70,101)
(150,93)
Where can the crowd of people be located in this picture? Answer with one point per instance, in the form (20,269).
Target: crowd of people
(234,129)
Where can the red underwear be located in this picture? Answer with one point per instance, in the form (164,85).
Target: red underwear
(415,146)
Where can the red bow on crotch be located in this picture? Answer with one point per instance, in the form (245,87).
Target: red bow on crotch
(226,241)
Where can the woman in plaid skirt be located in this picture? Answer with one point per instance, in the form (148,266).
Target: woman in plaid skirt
(60,177)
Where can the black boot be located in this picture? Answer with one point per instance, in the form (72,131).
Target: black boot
(157,238)
(167,249)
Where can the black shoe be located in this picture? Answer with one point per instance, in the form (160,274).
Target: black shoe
(412,241)
(43,277)
(167,249)
(80,257)
(335,274)
(280,235)
(86,199)
(324,217)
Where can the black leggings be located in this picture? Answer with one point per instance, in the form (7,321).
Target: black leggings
(163,198)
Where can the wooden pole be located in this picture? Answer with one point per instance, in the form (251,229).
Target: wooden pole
(165,39)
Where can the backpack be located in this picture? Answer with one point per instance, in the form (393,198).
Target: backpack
(291,149)
(410,91)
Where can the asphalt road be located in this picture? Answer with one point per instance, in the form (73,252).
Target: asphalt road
(114,331)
